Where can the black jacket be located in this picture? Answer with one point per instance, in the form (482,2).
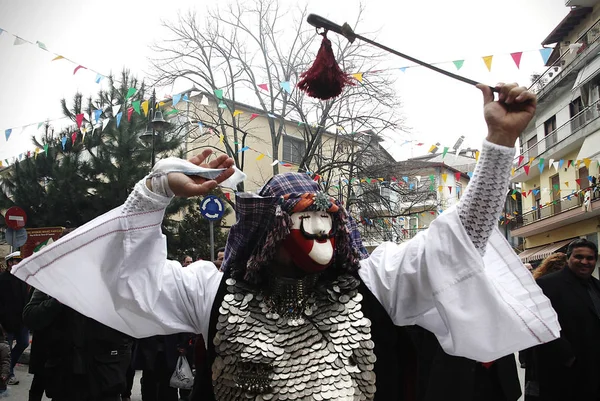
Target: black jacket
(14,295)
(84,359)
(445,377)
(579,338)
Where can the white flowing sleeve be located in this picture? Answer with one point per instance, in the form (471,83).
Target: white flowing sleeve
(480,303)
(115,270)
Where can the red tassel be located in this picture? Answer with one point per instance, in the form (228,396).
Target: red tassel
(324,79)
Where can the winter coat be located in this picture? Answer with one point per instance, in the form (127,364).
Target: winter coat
(4,362)
(81,354)
(14,294)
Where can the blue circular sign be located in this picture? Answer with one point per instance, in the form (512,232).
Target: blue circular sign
(212,208)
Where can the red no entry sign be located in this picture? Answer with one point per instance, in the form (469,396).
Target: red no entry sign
(15,218)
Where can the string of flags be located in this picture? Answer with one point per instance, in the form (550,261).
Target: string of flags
(552,163)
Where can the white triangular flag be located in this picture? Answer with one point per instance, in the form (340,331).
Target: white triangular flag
(550,162)
(457,151)
(105,122)
(115,110)
(555,165)
(204,101)
(418,177)
(275,162)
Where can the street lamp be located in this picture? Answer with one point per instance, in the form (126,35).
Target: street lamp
(156,122)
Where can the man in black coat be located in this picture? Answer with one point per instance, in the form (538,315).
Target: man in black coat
(568,368)
(84,360)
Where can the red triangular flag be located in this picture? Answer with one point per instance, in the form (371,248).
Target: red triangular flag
(520,160)
(317,177)
(450,188)
(74,137)
(578,181)
(457,176)
(526,169)
(524,194)
(129,113)
(517,58)
(77,69)
(528,193)
(79,119)
(569,163)
(253,116)
(228,195)
(264,87)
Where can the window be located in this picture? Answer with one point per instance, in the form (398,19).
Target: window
(293,150)
(549,131)
(531,148)
(577,117)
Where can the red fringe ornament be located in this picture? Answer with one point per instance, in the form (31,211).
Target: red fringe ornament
(324,79)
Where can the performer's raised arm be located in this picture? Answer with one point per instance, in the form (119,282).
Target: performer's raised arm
(460,279)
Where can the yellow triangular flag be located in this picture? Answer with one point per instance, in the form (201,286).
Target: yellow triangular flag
(567,184)
(222,138)
(514,196)
(57,58)
(358,76)
(237,112)
(531,159)
(512,172)
(440,188)
(444,176)
(160,104)
(260,157)
(477,156)
(145,107)
(578,163)
(488,62)
(587,163)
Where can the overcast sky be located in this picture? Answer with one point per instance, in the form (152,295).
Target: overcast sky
(105,36)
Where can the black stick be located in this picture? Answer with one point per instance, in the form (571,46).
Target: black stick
(346,31)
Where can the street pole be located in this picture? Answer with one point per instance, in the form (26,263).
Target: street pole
(152,124)
(212,240)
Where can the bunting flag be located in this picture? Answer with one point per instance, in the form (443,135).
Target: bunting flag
(432,149)
(63,141)
(204,100)
(560,163)
(445,151)
(218,94)
(79,119)
(185,98)
(526,169)
(260,156)
(97,114)
(285,85)
(545,53)
(237,113)
(78,68)
(105,122)
(541,165)
(73,137)
(129,113)
(403,69)
(274,162)
(521,157)
(41,45)
(99,77)
(7,133)
(222,138)
(457,176)
(136,106)
(19,41)
(264,87)
(444,177)
(176,99)
(517,58)
(245,148)
(222,105)
(458,64)
(578,181)
(358,76)
(488,62)
(115,109)
(145,104)
(477,156)
(119,115)
(130,93)
(587,163)
(450,188)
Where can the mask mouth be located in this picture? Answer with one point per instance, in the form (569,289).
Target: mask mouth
(321,237)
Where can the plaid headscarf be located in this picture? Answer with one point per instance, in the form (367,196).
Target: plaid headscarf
(263,221)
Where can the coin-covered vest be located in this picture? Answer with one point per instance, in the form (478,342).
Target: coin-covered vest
(345,348)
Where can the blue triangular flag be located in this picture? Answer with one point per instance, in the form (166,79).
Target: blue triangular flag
(185,98)
(7,133)
(119,118)
(63,141)
(536,191)
(412,185)
(403,69)
(285,85)
(405,178)
(99,77)
(200,125)
(470,174)
(176,99)
(541,166)
(545,52)
(245,148)
(561,162)
(97,114)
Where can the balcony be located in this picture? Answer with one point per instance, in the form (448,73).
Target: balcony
(561,141)
(559,213)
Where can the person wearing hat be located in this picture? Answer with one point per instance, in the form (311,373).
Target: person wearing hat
(14,295)
(296,312)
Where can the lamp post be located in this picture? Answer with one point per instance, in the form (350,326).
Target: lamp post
(156,123)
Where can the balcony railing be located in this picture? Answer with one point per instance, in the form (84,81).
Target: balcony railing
(568,58)
(574,125)
(553,208)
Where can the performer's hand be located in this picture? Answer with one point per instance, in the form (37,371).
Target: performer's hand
(188,186)
(507,117)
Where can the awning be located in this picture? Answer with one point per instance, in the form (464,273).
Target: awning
(541,252)
(591,147)
(587,73)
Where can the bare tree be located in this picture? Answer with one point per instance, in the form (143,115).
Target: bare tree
(248,44)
